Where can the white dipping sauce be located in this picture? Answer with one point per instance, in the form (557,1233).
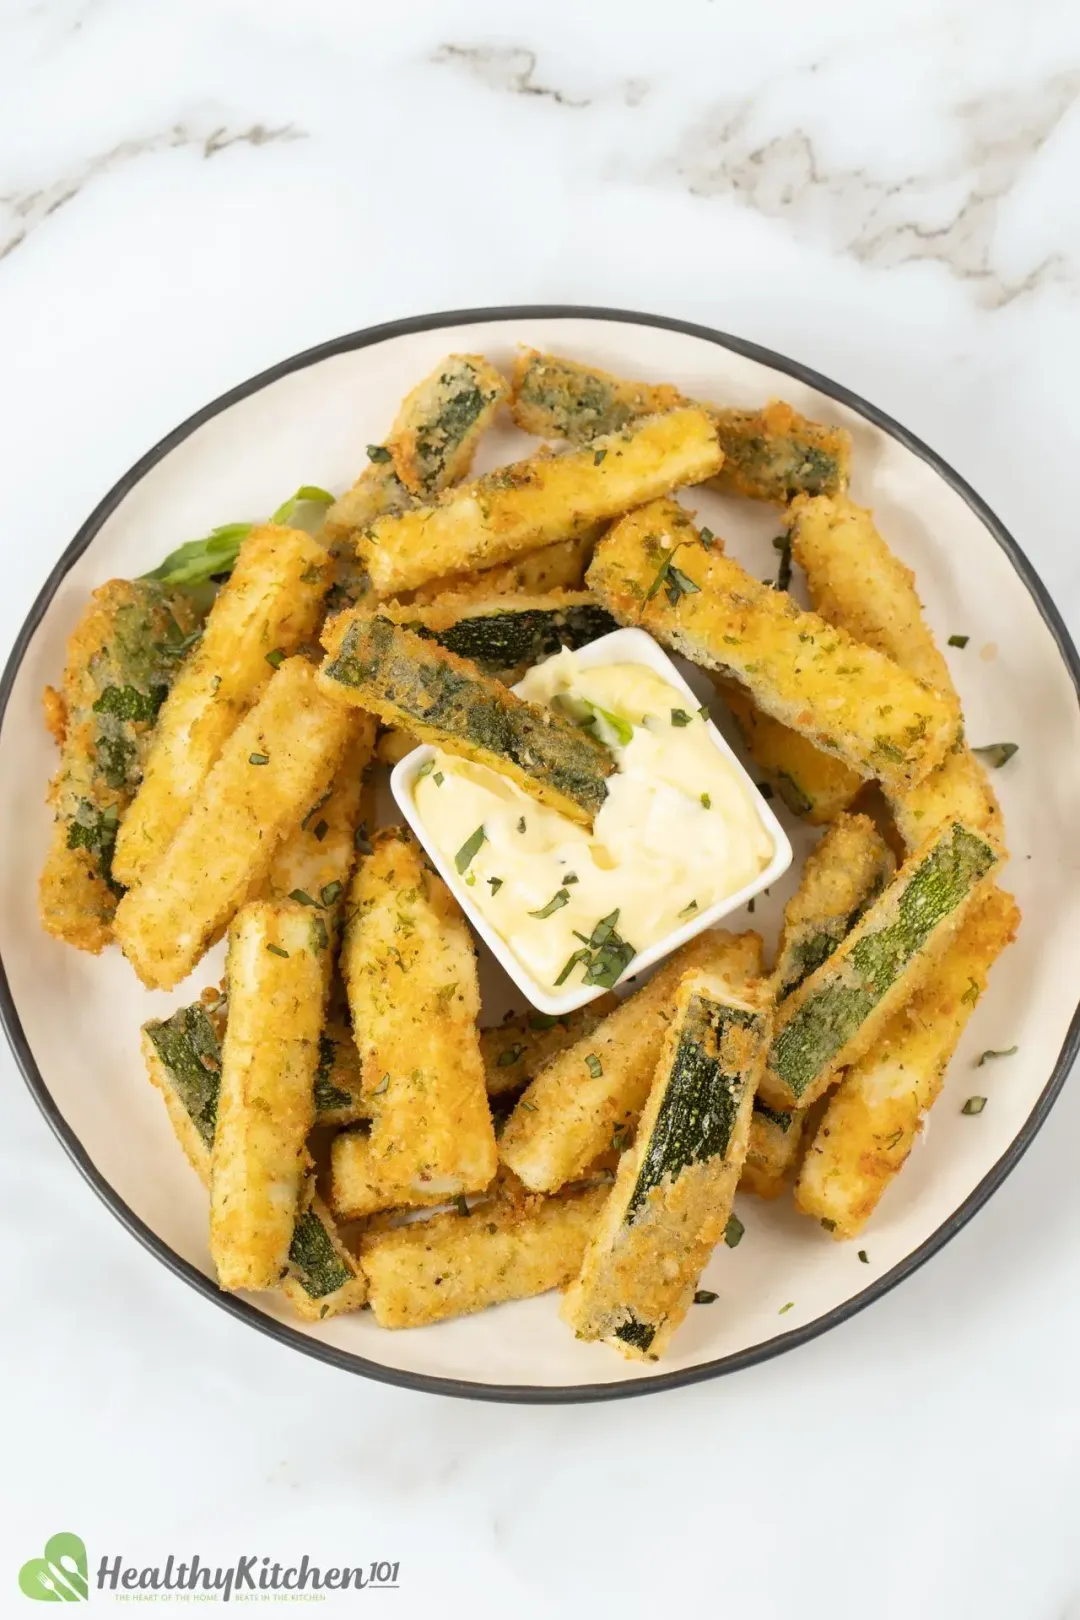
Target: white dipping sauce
(678,832)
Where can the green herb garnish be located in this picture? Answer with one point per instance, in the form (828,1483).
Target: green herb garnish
(686,910)
(974,1105)
(496,884)
(511,1055)
(705,1296)
(197,561)
(594,1065)
(320,829)
(379,453)
(330,892)
(557,901)
(302,898)
(707,538)
(1008,1051)
(469,849)
(307,492)
(789,1306)
(706,801)
(598,457)
(258,759)
(276,950)
(276,658)
(733,1231)
(959,641)
(997,754)
(864,1257)
(679,717)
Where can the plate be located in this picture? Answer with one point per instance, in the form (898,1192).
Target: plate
(73,1020)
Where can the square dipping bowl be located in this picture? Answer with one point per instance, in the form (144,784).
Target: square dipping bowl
(627,646)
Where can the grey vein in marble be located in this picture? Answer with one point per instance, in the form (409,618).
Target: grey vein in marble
(883,223)
(508,68)
(21,212)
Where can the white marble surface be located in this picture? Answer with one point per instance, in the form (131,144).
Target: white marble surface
(189,192)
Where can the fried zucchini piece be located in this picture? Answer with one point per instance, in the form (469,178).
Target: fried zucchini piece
(338,1089)
(770,455)
(518,1048)
(452,1265)
(438,427)
(280,759)
(410,971)
(536,502)
(813,784)
(183,1059)
(843,875)
(876,1113)
(675,1187)
(271,603)
(775,1138)
(959,790)
(651,569)
(277,988)
(122,657)
(506,635)
(837,1014)
(316,858)
(445,700)
(551,568)
(575,1110)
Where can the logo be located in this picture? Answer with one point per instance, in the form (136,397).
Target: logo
(59,1576)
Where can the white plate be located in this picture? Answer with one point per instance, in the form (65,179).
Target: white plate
(619,646)
(73,1020)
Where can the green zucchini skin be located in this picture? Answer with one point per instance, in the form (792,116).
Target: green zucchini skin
(837,1000)
(415,683)
(507,638)
(337,1080)
(319,1268)
(464,398)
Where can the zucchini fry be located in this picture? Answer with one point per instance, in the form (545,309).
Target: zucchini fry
(122,657)
(516,1050)
(769,455)
(813,784)
(316,858)
(183,1059)
(674,1189)
(775,1139)
(876,1113)
(857,583)
(505,635)
(280,759)
(652,569)
(410,971)
(452,1265)
(575,1110)
(843,875)
(837,1014)
(338,1089)
(413,683)
(552,568)
(266,1107)
(536,502)
(271,603)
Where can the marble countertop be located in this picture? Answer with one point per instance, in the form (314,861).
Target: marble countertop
(189,192)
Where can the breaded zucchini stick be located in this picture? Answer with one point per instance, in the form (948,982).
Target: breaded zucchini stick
(843,874)
(183,1059)
(775,1138)
(558,567)
(876,1113)
(505,635)
(652,569)
(675,1187)
(410,971)
(769,455)
(837,1014)
(270,604)
(815,785)
(414,683)
(316,858)
(122,657)
(536,502)
(575,1110)
(856,582)
(280,759)
(266,1105)
(452,1265)
(518,1048)
(338,1089)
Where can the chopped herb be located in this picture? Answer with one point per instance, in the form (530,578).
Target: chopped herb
(572,962)
(469,849)
(829,1225)
(378,452)
(530,1108)
(594,1065)
(258,759)
(1008,1051)
(733,1231)
(425,769)
(673,580)
(197,561)
(461,1204)
(320,829)
(598,457)
(570,877)
(686,910)
(557,901)
(706,801)
(382,1086)
(620,1138)
(789,1306)
(679,717)
(750,904)
(704,713)
(438,778)
(276,658)
(705,1296)
(330,892)
(864,1257)
(997,754)
(361,842)
(276,950)
(307,492)
(301,898)
(587,713)
(974,1105)
(511,1055)
(959,641)
(521,824)
(783,572)
(543,1020)
(322,937)
(971,994)
(496,884)
(707,538)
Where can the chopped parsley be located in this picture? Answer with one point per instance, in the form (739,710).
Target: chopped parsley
(789,1306)
(605,954)
(959,641)
(686,910)
(521,824)
(594,1065)
(733,1231)
(705,1296)
(511,1055)
(379,453)
(706,801)
(276,950)
(496,884)
(707,538)
(330,892)
(974,1105)
(672,580)
(276,658)
(438,778)
(425,769)
(1008,1051)
(598,457)
(469,849)
(320,829)
(556,903)
(679,717)
(864,1257)
(258,759)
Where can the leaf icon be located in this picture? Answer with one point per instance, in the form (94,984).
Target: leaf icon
(60,1576)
